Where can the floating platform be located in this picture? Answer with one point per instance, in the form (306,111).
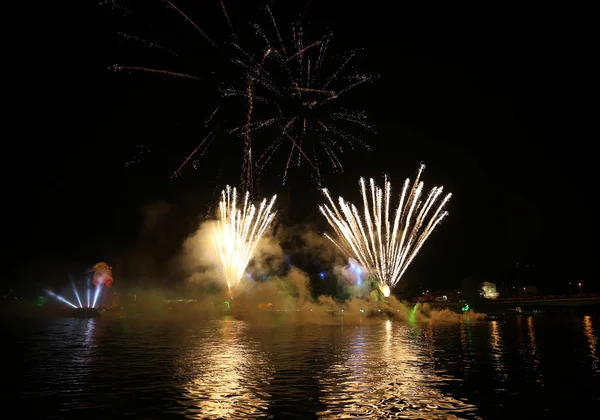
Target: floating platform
(84,313)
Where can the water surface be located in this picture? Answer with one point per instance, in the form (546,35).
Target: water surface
(521,367)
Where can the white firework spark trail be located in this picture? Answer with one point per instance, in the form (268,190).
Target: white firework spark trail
(238,232)
(384,247)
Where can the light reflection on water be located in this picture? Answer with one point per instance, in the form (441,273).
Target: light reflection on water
(229,374)
(496,350)
(385,375)
(590,336)
(533,350)
(102,368)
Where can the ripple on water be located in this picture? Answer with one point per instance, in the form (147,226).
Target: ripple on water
(228,369)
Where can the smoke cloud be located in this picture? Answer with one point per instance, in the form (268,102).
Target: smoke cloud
(277,289)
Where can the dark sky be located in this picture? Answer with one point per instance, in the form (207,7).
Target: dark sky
(493,100)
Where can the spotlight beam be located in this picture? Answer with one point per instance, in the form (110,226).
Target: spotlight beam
(60,298)
(76,294)
(96,294)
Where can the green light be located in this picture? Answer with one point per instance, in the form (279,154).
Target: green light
(412,317)
(227,304)
(375,295)
(465,308)
(40,301)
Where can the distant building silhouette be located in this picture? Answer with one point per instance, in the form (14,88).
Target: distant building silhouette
(488,290)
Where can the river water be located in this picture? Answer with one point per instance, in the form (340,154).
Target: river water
(519,367)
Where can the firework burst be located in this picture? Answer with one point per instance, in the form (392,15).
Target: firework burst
(282,87)
(238,231)
(383,246)
(297,90)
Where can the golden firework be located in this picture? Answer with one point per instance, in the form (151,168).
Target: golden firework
(238,231)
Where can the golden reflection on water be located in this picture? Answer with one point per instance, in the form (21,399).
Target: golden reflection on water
(588,331)
(533,349)
(496,350)
(229,373)
(385,377)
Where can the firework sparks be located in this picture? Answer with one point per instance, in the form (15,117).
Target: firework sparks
(141,151)
(205,140)
(386,247)
(290,92)
(233,34)
(146,42)
(116,5)
(238,231)
(191,22)
(296,84)
(117,67)
(247,176)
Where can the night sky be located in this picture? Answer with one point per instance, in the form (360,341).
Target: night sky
(494,101)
